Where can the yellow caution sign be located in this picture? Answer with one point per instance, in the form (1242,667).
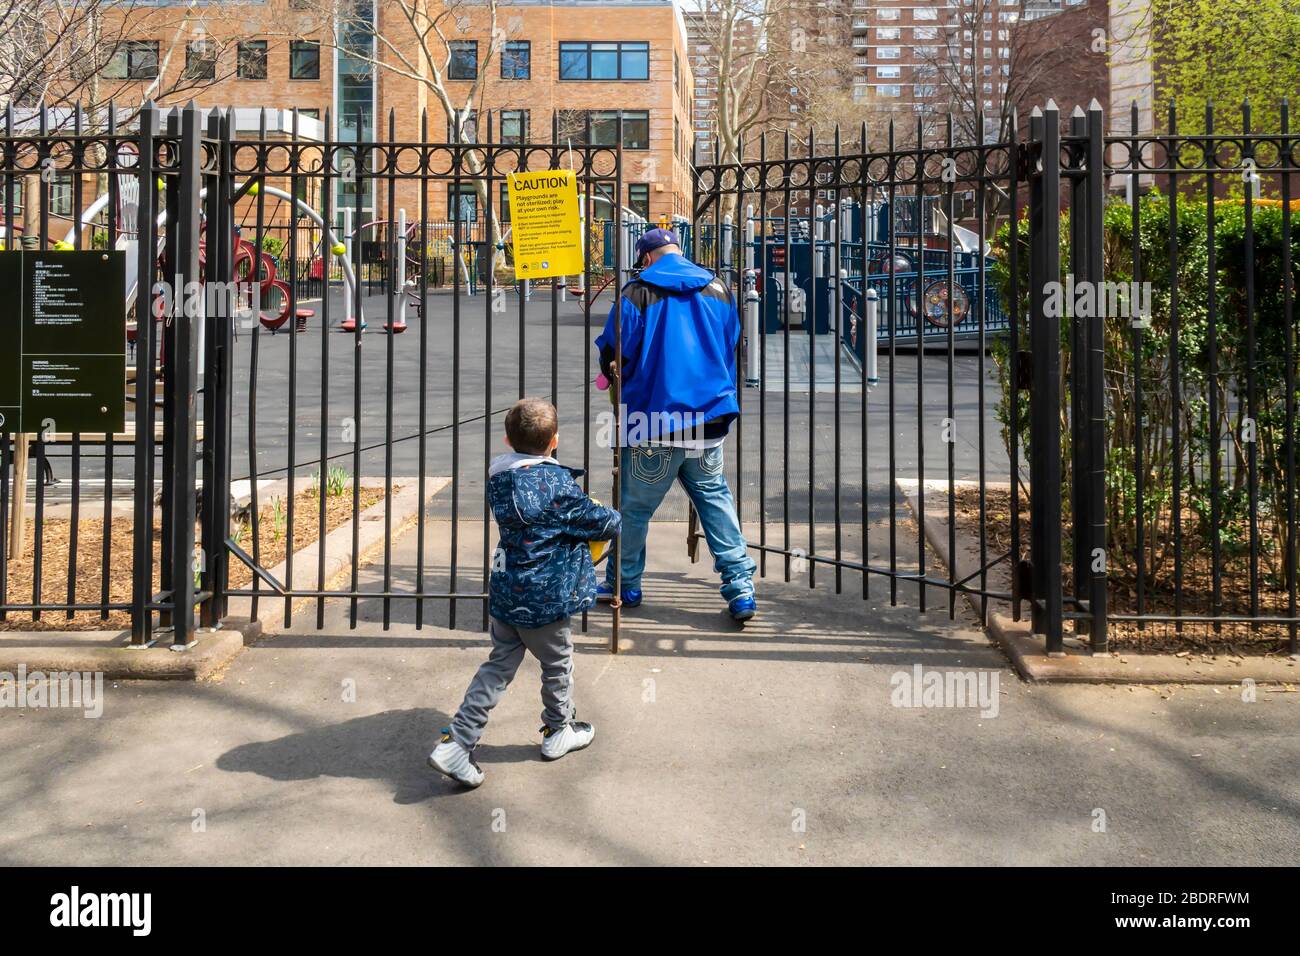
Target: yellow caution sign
(544,223)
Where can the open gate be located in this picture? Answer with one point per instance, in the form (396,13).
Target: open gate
(872,296)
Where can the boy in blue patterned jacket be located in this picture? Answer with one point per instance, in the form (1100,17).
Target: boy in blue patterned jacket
(541,576)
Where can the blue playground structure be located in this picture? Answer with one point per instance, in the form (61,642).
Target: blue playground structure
(921,259)
(894,272)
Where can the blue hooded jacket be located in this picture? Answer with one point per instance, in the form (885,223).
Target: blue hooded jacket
(680,330)
(542,569)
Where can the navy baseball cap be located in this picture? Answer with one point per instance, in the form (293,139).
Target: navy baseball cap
(653,239)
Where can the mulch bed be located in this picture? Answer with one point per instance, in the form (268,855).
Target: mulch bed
(1152,638)
(273,547)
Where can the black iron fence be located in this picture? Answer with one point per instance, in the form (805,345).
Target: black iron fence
(126,561)
(1121,461)
(1197,515)
(352,404)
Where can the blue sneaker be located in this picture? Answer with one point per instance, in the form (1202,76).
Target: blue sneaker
(605,594)
(743,608)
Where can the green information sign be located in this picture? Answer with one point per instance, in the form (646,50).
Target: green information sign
(63,322)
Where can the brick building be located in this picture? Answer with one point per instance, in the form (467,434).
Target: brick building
(578,63)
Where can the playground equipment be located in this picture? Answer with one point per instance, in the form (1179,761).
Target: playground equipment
(912,283)
(249,262)
(612,273)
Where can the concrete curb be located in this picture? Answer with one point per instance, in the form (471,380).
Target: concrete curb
(111,654)
(1078,665)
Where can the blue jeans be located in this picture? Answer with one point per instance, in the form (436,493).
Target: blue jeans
(648,472)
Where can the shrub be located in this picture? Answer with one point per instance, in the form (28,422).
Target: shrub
(1146,358)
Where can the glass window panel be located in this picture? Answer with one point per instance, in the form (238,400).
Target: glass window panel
(604,64)
(464,60)
(636,61)
(252,60)
(304,60)
(573,61)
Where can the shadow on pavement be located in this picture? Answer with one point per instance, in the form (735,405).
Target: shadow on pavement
(390,747)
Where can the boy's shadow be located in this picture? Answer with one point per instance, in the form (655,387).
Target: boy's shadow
(392,746)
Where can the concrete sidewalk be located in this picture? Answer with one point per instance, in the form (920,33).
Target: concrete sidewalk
(714,745)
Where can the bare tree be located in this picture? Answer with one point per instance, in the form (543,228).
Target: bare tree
(64,53)
(981,69)
(757,54)
(420,43)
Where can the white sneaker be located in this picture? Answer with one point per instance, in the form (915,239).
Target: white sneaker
(572,736)
(455,761)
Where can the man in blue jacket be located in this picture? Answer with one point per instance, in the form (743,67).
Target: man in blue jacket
(680,329)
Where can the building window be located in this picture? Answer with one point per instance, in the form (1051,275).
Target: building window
(354,191)
(133,60)
(605,61)
(304,60)
(888,52)
(464,60)
(516,60)
(890,90)
(604,126)
(252,60)
(602,200)
(61,195)
(888,33)
(468,127)
(462,207)
(200,60)
(638,199)
(514,126)
(503,208)
(889,72)
(636,128)
(925,13)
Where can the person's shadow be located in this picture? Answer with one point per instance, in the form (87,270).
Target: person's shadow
(392,746)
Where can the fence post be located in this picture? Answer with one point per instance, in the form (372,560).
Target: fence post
(616,386)
(182,373)
(1045,398)
(170,274)
(1080,412)
(218,333)
(1096,399)
(146,265)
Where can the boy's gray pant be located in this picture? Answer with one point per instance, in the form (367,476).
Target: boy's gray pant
(551,644)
